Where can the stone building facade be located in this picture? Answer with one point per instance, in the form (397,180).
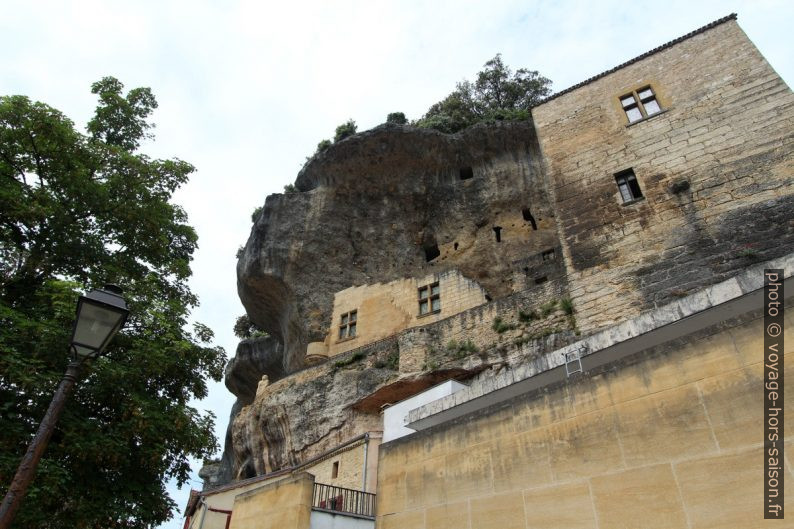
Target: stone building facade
(639,203)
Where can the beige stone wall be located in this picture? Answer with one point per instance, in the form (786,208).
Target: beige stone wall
(350,474)
(223,500)
(670,440)
(727,128)
(386,309)
(284,504)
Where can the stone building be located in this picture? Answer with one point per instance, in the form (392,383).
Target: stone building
(590,279)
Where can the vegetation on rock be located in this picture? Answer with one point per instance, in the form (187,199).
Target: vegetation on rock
(398,118)
(346,129)
(78,211)
(497,94)
(244,328)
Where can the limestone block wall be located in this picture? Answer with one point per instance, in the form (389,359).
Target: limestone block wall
(284,504)
(222,499)
(385,309)
(349,467)
(714,167)
(670,438)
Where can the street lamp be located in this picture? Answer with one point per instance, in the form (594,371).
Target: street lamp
(100,315)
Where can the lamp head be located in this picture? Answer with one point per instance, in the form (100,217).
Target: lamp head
(100,315)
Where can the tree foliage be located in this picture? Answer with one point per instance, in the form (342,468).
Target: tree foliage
(346,129)
(245,328)
(397,118)
(497,93)
(78,211)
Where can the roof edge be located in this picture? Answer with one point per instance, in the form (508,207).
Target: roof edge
(711,25)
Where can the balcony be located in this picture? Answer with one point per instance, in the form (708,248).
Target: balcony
(339,500)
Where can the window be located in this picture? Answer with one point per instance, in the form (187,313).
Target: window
(429,299)
(547,255)
(347,327)
(640,104)
(335,470)
(628,186)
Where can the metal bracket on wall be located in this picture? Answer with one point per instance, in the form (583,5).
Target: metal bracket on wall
(573,361)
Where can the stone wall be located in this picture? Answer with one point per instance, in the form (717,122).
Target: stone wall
(386,309)
(715,169)
(670,438)
(284,504)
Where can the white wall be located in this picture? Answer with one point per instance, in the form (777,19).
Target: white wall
(327,520)
(394,417)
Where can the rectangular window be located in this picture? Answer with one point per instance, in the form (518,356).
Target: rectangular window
(347,325)
(429,299)
(640,104)
(628,186)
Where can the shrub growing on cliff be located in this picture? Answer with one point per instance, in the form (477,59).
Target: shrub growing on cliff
(323,146)
(398,118)
(77,211)
(497,94)
(346,129)
(245,328)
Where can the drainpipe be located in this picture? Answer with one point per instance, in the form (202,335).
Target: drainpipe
(366,446)
(203,513)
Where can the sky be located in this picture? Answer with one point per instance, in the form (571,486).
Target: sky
(248,88)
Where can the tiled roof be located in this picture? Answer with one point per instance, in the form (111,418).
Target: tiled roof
(691,34)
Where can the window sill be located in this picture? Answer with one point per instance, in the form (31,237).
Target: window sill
(426,314)
(632,202)
(646,118)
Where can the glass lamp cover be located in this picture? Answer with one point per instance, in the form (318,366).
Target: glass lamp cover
(97,323)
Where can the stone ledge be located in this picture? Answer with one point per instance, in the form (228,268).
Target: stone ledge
(689,314)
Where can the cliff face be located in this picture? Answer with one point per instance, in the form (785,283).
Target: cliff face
(390,203)
(380,206)
(528,251)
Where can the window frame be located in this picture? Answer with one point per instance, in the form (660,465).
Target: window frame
(348,322)
(433,291)
(640,103)
(624,180)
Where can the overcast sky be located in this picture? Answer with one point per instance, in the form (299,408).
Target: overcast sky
(247,88)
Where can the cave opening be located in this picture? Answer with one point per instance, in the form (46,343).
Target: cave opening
(529,218)
(498,231)
(431,252)
(466,173)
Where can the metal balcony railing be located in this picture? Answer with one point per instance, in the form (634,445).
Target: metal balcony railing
(341,500)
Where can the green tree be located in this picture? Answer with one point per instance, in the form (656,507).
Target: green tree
(348,128)
(78,211)
(497,93)
(397,118)
(322,146)
(245,328)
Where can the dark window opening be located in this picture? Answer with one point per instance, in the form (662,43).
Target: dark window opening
(466,173)
(529,218)
(455,246)
(628,186)
(548,255)
(526,270)
(335,470)
(498,231)
(541,280)
(431,252)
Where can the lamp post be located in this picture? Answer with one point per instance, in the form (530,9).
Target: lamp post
(100,315)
